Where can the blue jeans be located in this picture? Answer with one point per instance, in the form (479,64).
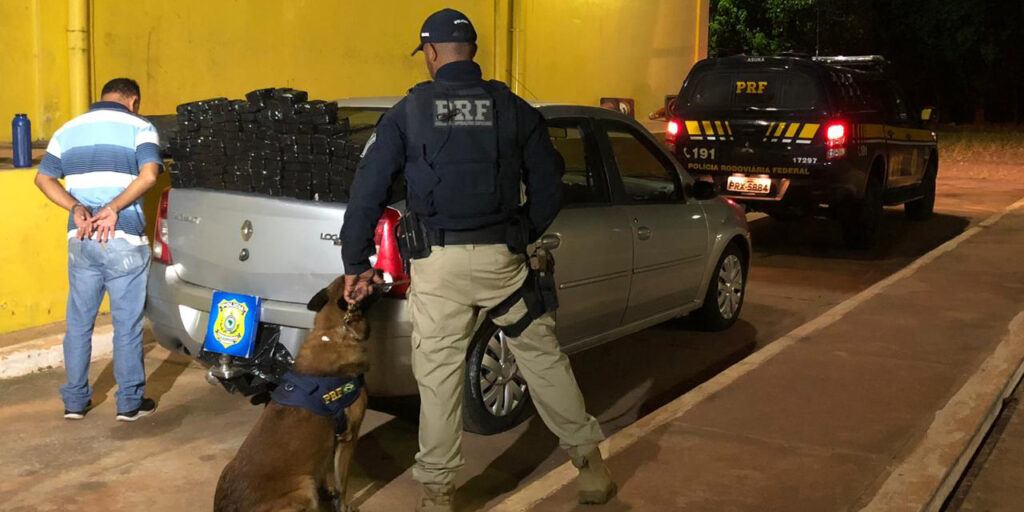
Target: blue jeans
(119,269)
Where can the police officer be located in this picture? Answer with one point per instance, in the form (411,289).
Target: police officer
(467,147)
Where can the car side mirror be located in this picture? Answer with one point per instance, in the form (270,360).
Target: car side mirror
(929,116)
(703,190)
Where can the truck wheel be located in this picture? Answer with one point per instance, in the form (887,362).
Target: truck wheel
(495,395)
(862,222)
(921,209)
(724,298)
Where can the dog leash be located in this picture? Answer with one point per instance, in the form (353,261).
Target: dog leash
(386,287)
(377,288)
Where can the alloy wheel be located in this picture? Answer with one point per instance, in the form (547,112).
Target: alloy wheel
(502,385)
(730,286)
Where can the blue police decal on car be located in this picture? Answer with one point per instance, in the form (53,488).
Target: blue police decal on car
(234,319)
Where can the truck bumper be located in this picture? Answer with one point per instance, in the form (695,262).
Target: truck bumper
(179,311)
(818,192)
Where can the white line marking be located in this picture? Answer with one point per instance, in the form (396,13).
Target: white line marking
(561,476)
(361,492)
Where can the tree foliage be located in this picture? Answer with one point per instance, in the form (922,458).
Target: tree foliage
(961,55)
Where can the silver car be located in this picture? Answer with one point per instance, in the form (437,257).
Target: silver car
(639,242)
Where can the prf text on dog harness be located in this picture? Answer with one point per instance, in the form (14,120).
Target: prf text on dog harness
(338,393)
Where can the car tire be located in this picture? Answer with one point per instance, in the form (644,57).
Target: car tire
(495,396)
(922,209)
(864,218)
(726,291)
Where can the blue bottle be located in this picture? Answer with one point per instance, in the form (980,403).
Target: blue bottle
(21,138)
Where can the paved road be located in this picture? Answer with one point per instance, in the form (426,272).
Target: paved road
(170,462)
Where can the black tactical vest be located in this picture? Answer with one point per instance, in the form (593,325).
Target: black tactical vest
(463,161)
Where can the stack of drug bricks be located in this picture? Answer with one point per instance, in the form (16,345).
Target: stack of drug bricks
(274,142)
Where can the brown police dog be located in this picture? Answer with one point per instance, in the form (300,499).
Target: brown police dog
(292,460)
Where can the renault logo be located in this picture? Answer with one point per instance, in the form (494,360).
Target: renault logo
(246,230)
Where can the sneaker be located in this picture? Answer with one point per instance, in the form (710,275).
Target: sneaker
(77,415)
(145,409)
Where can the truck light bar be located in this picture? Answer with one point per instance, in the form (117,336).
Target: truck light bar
(852,60)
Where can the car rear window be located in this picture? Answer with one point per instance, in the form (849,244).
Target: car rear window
(361,122)
(755,89)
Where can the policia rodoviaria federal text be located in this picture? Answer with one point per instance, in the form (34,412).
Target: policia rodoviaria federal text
(467,146)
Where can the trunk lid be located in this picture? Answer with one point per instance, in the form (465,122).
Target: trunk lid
(274,248)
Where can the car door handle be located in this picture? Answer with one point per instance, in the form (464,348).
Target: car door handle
(643,233)
(550,242)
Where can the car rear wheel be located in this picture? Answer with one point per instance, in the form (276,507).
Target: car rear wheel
(724,298)
(496,397)
(921,209)
(864,218)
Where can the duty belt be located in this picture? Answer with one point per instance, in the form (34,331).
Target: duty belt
(497,234)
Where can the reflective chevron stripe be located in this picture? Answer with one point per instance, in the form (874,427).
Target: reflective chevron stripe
(710,129)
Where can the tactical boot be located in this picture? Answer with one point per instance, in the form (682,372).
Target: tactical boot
(436,498)
(595,480)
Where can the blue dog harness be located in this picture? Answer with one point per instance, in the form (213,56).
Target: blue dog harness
(323,396)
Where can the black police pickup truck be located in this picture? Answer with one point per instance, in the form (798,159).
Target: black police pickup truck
(794,136)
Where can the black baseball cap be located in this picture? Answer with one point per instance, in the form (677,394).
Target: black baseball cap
(446,26)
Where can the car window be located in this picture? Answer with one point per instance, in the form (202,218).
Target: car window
(895,108)
(849,92)
(761,89)
(902,110)
(361,122)
(583,181)
(646,177)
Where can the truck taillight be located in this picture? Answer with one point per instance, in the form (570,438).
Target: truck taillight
(389,259)
(835,140)
(672,130)
(161,249)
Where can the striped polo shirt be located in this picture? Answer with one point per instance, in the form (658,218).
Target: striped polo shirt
(98,154)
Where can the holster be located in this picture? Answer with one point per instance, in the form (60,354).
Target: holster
(544,274)
(413,238)
(538,292)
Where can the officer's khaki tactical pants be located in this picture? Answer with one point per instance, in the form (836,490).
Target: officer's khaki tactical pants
(449,289)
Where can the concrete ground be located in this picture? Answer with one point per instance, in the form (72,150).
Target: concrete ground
(171,461)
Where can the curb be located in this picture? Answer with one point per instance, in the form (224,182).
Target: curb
(48,352)
(928,476)
(547,484)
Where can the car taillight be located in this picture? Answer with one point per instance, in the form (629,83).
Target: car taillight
(672,130)
(389,259)
(835,141)
(161,250)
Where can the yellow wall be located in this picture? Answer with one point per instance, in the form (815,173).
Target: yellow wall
(33,68)
(565,50)
(34,253)
(581,50)
(193,49)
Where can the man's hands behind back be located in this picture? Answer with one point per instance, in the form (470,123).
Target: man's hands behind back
(104,224)
(83,221)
